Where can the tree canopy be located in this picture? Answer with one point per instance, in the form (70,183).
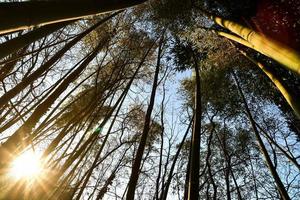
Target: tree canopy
(157,99)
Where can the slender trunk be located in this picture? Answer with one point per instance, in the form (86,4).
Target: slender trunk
(289,96)
(19,42)
(108,182)
(99,152)
(161,144)
(139,155)
(227,169)
(187,176)
(283,193)
(93,137)
(21,136)
(35,75)
(29,109)
(288,156)
(159,165)
(193,192)
(23,15)
(228,193)
(170,176)
(81,114)
(254,178)
(238,191)
(8,67)
(208,159)
(19,56)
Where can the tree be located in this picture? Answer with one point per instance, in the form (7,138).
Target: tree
(137,161)
(99,99)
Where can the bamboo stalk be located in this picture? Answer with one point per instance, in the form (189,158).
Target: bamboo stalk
(280,85)
(236,39)
(278,82)
(269,47)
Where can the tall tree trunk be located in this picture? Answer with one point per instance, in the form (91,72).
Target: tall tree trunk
(17,57)
(23,15)
(193,191)
(223,143)
(81,114)
(108,182)
(228,169)
(135,171)
(93,137)
(238,191)
(208,159)
(254,178)
(187,176)
(164,193)
(161,145)
(283,193)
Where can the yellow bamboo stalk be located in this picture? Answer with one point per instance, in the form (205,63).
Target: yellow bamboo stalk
(278,82)
(236,39)
(269,47)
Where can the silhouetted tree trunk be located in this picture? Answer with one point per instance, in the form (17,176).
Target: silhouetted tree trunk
(99,153)
(208,159)
(164,193)
(108,182)
(283,193)
(187,175)
(8,67)
(140,151)
(21,136)
(161,144)
(286,92)
(193,192)
(288,156)
(21,41)
(36,74)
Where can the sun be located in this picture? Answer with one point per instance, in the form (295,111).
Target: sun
(26,166)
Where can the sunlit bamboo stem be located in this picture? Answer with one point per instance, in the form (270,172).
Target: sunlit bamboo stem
(269,47)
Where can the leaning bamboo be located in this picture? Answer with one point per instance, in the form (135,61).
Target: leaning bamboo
(280,85)
(278,82)
(269,47)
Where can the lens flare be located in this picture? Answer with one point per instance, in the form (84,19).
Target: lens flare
(26,166)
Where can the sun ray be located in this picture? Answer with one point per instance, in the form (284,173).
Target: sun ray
(26,166)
